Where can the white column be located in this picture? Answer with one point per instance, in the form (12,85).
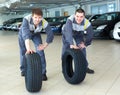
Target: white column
(118,5)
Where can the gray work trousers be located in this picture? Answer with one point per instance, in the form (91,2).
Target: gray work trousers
(36,38)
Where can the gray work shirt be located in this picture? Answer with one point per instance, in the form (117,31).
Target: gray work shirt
(28,29)
(71,27)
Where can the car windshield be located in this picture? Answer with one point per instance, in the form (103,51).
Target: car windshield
(107,17)
(56,19)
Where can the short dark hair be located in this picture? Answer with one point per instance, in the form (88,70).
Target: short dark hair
(80,10)
(37,11)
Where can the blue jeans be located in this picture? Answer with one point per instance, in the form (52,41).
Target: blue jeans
(36,38)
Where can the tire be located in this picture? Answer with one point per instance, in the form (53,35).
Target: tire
(74,66)
(111,35)
(33,72)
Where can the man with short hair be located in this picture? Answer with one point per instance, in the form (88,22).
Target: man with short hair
(79,29)
(31,28)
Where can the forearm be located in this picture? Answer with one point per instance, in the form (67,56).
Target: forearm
(27,44)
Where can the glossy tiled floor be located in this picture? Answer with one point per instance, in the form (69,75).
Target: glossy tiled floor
(103,56)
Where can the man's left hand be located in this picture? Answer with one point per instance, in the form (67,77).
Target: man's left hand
(42,46)
(82,45)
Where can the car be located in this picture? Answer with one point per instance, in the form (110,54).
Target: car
(103,26)
(88,16)
(1,27)
(56,23)
(12,20)
(16,26)
(116,31)
(8,24)
(7,27)
(93,17)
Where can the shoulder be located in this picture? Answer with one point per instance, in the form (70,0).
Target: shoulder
(87,22)
(44,23)
(28,17)
(71,18)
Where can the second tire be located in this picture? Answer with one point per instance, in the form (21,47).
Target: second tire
(74,66)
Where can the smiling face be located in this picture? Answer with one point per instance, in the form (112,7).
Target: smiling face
(36,19)
(79,17)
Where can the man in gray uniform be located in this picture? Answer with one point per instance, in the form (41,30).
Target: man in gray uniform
(31,28)
(79,29)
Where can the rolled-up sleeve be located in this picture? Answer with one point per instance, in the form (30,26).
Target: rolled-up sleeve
(25,30)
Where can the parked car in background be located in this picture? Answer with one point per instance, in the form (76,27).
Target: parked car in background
(93,17)
(16,26)
(88,16)
(56,23)
(1,27)
(116,31)
(103,26)
(7,25)
(12,20)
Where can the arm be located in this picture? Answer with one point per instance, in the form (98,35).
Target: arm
(27,44)
(50,35)
(89,35)
(26,35)
(67,32)
(49,38)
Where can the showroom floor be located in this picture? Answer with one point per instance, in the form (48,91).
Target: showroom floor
(103,56)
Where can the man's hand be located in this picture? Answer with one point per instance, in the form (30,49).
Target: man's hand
(74,47)
(42,46)
(82,45)
(29,51)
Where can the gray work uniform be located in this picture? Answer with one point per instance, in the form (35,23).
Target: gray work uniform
(72,31)
(28,31)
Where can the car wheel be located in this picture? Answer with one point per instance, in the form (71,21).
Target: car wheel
(111,34)
(74,66)
(33,72)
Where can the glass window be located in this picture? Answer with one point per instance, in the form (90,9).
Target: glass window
(111,7)
(99,9)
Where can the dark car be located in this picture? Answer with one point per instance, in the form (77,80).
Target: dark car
(9,22)
(103,26)
(94,17)
(12,20)
(56,23)
(1,27)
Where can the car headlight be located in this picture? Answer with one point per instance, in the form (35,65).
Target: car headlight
(101,27)
(58,26)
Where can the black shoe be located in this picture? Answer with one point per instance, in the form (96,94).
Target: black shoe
(90,71)
(22,74)
(44,77)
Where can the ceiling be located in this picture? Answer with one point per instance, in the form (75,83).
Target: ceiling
(7,6)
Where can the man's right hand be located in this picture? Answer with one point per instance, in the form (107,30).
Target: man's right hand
(29,51)
(74,47)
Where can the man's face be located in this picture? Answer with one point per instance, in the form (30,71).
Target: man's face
(79,17)
(36,19)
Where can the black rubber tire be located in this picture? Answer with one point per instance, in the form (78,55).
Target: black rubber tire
(74,66)
(33,72)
